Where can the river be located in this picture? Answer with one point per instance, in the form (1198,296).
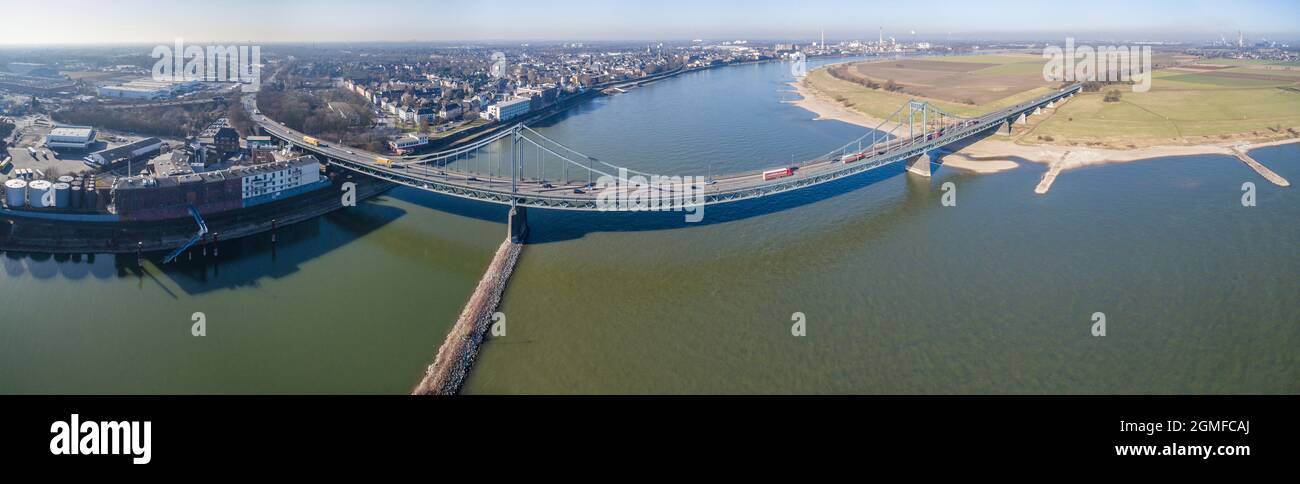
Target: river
(899,293)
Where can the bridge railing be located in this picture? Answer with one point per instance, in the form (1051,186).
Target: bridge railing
(883,145)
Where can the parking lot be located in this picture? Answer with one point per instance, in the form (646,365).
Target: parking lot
(49,162)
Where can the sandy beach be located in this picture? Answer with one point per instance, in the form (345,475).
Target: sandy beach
(827,108)
(995,154)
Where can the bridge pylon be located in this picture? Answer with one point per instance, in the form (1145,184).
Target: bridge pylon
(518,218)
(920,165)
(518,222)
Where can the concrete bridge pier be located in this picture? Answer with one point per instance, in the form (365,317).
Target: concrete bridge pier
(920,165)
(518,224)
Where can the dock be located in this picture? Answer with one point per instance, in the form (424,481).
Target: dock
(456,355)
(1260,168)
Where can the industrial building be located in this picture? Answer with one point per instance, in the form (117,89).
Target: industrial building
(129,152)
(271,179)
(223,139)
(70,138)
(141,198)
(261,149)
(38,86)
(146,89)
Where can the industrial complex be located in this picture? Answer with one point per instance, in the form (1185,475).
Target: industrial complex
(149,180)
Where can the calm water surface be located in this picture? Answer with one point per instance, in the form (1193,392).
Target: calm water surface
(901,294)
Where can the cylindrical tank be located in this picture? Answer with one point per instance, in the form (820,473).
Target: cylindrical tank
(90,196)
(61,193)
(16,193)
(66,179)
(77,201)
(37,194)
(101,199)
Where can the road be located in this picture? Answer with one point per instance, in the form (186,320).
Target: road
(721,189)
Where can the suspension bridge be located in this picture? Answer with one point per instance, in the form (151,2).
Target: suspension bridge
(523,168)
(520,167)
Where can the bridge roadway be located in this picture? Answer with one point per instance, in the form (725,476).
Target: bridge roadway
(531,192)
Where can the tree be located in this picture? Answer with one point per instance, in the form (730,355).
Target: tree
(239,119)
(1112,96)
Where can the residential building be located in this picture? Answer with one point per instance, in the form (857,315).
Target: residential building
(507,110)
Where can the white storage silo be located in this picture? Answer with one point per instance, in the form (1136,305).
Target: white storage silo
(16,193)
(61,193)
(39,194)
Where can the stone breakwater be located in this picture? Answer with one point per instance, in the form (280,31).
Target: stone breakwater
(451,367)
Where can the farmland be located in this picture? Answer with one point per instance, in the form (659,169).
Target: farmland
(1191,101)
(964,86)
(1237,100)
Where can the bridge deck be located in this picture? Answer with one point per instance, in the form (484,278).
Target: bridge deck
(416,172)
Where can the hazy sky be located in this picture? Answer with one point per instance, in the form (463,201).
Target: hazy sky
(152,21)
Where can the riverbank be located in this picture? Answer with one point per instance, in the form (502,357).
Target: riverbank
(1064,158)
(592,92)
(61,237)
(994,154)
(827,108)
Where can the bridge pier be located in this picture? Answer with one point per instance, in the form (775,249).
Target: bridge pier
(920,165)
(1021,120)
(518,223)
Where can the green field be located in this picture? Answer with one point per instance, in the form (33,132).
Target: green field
(1210,80)
(1180,108)
(1238,62)
(990,58)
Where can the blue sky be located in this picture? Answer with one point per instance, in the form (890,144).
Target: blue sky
(126,21)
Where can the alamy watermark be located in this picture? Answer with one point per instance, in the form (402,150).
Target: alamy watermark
(499,67)
(652,193)
(211,63)
(200,326)
(1107,63)
(799,65)
(800,327)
